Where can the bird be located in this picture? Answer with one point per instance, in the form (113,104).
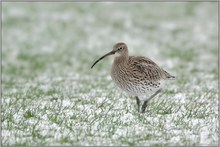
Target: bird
(136,75)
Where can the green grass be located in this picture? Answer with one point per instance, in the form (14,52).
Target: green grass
(51,96)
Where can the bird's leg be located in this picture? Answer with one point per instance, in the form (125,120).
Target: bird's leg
(145,102)
(138,103)
(144,106)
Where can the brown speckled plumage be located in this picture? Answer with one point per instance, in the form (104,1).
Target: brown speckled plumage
(136,75)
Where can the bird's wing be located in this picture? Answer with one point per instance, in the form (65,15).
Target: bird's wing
(147,69)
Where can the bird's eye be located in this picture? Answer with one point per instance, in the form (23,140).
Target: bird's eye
(119,48)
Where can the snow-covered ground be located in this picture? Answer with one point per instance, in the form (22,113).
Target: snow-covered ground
(52,97)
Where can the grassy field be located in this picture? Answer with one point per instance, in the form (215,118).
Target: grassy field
(50,96)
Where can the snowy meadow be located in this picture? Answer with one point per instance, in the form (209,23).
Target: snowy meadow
(51,96)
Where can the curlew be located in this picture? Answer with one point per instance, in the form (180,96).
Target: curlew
(136,75)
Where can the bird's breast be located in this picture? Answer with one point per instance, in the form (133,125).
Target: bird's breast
(119,75)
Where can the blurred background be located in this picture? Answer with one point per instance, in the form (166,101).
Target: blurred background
(52,97)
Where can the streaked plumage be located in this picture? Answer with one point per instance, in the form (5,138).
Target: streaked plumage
(136,76)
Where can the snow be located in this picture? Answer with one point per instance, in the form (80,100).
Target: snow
(69,100)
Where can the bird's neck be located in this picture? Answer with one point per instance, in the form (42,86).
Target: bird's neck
(122,59)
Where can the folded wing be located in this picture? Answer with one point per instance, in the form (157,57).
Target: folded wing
(147,69)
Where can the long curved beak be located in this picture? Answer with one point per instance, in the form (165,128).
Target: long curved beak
(110,53)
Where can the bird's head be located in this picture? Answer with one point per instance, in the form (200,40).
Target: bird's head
(118,50)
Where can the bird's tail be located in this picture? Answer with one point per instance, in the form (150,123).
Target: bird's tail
(171,77)
(168,76)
